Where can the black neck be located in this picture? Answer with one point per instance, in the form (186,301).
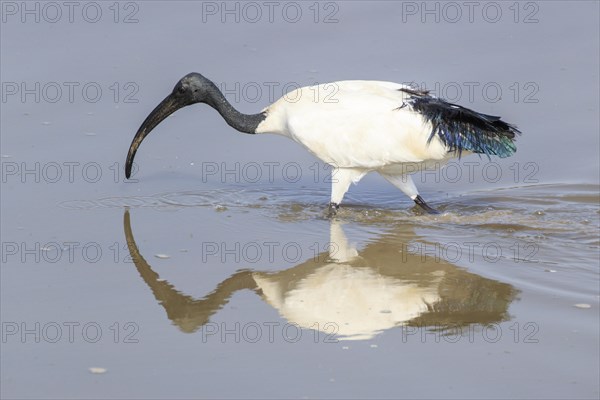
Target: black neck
(246,123)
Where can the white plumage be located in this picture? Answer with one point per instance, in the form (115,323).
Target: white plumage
(357,129)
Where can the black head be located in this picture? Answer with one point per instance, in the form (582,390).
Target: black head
(192,88)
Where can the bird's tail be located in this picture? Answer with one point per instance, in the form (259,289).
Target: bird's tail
(460,128)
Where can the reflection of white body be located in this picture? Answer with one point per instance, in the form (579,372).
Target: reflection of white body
(358,302)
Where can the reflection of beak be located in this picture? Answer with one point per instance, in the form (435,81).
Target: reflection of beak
(166,107)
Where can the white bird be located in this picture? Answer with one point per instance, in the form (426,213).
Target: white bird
(360,127)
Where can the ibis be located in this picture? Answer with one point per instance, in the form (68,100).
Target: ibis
(360,127)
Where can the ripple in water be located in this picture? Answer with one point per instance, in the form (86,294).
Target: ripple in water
(568,210)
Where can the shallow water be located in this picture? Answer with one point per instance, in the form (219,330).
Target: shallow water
(217,272)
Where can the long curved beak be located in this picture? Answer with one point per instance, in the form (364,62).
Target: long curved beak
(166,107)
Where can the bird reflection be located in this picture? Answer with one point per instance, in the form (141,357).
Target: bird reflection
(360,293)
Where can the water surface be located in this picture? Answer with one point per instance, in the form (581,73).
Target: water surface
(217,273)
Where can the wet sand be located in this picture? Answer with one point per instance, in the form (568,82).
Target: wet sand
(216,272)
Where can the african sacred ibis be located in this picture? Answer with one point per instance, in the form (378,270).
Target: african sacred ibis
(365,126)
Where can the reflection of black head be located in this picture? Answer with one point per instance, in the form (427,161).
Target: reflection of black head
(186,312)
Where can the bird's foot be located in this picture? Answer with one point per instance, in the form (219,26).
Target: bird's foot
(332,209)
(421,203)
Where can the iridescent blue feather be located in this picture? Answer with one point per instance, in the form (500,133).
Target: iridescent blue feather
(460,128)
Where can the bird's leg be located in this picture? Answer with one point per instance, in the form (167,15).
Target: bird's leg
(341,178)
(421,203)
(332,210)
(405,183)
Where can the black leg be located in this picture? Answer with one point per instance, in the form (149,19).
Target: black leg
(333,207)
(421,203)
